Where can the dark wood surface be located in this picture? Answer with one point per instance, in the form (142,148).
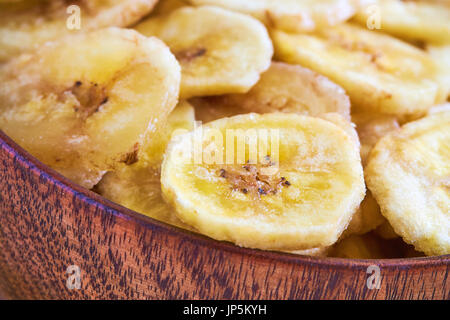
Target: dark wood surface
(48,224)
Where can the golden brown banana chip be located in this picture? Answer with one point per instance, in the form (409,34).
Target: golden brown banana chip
(370,128)
(366,218)
(409,175)
(412,20)
(380,74)
(282,88)
(167,6)
(275,181)
(315,252)
(291,15)
(138,186)
(385,231)
(219,51)
(85,104)
(24,25)
(366,246)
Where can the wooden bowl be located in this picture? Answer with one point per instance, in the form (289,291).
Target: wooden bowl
(47,224)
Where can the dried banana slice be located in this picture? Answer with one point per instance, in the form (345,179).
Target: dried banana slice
(138,186)
(366,246)
(315,252)
(366,218)
(284,88)
(380,74)
(85,104)
(412,20)
(371,128)
(219,51)
(287,182)
(26,24)
(167,6)
(409,175)
(385,231)
(291,15)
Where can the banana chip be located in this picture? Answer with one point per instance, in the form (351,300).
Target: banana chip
(24,25)
(371,128)
(167,6)
(219,51)
(138,186)
(291,15)
(85,104)
(412,20)
(409,175)
(287,182)
(366,246)
(385,231)
(381,74)
(282,88)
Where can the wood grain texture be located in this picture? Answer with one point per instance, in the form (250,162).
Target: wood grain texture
(47,224)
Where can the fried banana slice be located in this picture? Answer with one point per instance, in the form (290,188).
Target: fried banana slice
(380,74)
(167,6)
(275,181)
(371,128)
(24,25)
(85,104)
(219,51)
(291,15)
(366,246)
(409,175)
(411,20)
(138,186)
(385,231)
(284,88)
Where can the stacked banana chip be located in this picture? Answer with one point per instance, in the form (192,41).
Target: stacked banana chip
(315,128)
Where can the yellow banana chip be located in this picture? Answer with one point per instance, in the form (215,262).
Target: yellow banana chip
(275,181)
(282,88)
(380,74)
(219,51)
(412,20)
(138,186)
(291,15)
(24,25)
(366,246)
(85,104)
(409,175)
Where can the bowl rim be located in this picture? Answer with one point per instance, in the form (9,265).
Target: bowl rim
(110,207)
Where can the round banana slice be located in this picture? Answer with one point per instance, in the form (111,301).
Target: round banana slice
(284,88)
(219,51)
(138,186)
(24,25)
(380,74)
(371,128)
(275,181)
(409,175)
(412,20)
(85,104)
(291,15)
